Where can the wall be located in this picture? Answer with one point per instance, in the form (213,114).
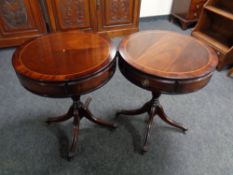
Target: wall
(155,7)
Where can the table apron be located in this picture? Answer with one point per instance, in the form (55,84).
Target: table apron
(153,83)
(69,88)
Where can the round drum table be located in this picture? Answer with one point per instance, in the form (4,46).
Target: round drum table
(164,62)
(67,64)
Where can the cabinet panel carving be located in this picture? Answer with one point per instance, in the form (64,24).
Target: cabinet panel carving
(14,14)
(20,20)
(73,12)
(70,14)
(115,17)
(119,11)
(118,16)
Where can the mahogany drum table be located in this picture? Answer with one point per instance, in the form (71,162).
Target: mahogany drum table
(164,62)
(67,64)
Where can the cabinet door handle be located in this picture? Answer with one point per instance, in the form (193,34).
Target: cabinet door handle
(195,14)
(197,6)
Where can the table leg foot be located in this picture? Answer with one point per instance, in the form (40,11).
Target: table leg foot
(145,149)
(169,121)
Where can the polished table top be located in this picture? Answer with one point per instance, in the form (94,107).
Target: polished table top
(168,55)
(63,56)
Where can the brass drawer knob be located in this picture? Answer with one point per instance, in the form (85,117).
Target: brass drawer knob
(198,6)
(145,83)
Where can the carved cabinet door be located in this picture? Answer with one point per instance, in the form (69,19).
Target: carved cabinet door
(118,16)
(20,20)
(72,14)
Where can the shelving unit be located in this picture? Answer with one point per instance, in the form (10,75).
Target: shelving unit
(215,27)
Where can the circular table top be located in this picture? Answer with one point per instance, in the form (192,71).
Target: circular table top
(168,55)
(63,56)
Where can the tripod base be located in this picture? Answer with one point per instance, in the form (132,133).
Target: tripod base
(153,108)
(78,110)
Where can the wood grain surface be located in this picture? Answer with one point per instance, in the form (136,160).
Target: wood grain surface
(168,55)
(63,56)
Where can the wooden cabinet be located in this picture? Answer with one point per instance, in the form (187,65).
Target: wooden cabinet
(71,14)
(118,16)
(186,12)
(20,20)
(215,27)
(115,17)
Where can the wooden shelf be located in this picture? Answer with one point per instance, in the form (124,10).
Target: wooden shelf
(211,41)
(215,28)
(220,12)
